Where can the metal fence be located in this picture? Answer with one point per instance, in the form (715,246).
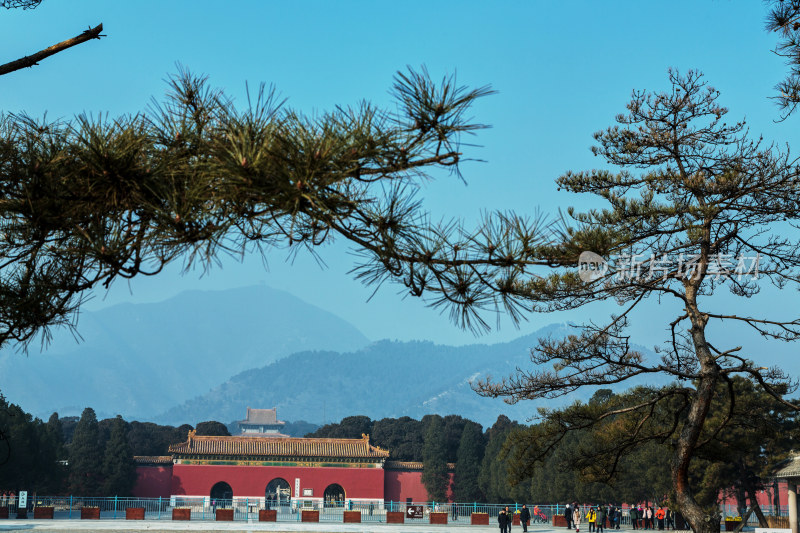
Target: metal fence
(247,509)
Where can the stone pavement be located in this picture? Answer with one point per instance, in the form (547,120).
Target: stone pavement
(129,526)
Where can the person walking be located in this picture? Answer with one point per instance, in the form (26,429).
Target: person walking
(634,517)
(591,517)
(670,519)
(660,514)
(568,515)
(524,518)
(576,518)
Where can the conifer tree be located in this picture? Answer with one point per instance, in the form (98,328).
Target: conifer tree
(119,469)
(86,456)
(435,476)
(468,465)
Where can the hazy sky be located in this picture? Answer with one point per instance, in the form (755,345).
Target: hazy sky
(562,70)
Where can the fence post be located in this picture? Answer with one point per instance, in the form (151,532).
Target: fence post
(247,509)
(159,507)
(115,506)
(70,505)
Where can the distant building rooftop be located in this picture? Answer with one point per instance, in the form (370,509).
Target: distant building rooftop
(261,422)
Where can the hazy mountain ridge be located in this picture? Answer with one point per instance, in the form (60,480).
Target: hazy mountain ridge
(384,379)
(138,359)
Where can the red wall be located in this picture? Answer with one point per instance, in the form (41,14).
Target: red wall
(197,480)
(401,485)
(764,497)
(153,481)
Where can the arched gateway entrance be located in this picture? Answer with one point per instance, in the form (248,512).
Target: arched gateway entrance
(221,495)
(334,496)
(277,493)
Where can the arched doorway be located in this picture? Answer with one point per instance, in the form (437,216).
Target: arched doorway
(277,493)
(334,496)
(221,495)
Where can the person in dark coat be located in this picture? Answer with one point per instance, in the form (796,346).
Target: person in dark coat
(502,521)
(600,520)
(634,517)
(524,517)
(568,515)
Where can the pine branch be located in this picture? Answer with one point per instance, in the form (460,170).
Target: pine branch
(29,61)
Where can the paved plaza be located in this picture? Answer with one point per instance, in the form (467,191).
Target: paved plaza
(123,526)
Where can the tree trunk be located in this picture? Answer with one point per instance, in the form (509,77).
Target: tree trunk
(698,519)
(762,520)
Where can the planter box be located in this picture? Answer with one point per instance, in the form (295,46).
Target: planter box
(438,518)
(134,513)
(267,515)
(559,520)
(43,513)
(224,515)
(181,513)
(3,512)
(479,519)
(90,513)
(395,517)
(731,525)
(352,517)
(22,513)
(515,519)
(309,516)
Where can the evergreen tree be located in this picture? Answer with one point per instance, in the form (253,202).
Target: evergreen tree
(85,456)
(403,437)
(468,465)
(213,428)
(119,469)
(494,479)
(434,460)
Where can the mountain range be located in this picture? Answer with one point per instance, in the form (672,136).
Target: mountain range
(208,355)
(140,359)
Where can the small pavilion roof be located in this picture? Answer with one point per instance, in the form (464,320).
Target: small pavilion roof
(790,468)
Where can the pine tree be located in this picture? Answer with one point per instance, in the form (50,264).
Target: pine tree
(468,465)
(119,469)
(434,460)
(85,456)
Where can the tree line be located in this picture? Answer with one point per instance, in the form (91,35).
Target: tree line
(525,463)
(508,461)
(81,455)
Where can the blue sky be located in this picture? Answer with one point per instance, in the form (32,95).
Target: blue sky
(562,70)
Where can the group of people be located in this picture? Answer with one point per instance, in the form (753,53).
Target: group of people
(506,518)
(599,518)
(647,518)
(8,498)
(609,516)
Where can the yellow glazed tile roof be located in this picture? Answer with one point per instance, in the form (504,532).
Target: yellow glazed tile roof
(278,447)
